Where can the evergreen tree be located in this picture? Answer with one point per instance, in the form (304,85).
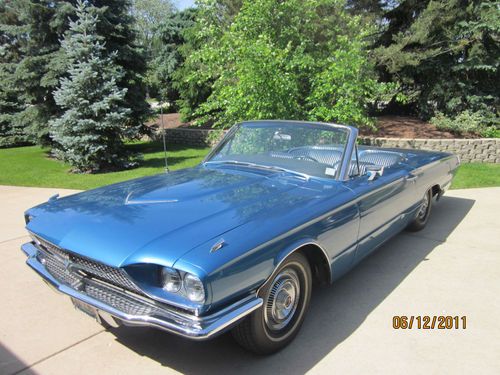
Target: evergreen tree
(167,57)
(37,73)
(89,135)
(148,16)
(444,54)
(43,63)
(11,129)
(116,25)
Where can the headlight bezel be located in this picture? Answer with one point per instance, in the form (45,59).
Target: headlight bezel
(196,291)
(171,280)
(190,287)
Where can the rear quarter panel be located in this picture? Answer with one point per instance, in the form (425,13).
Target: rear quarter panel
(432,168)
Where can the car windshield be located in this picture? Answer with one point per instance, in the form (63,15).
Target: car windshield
(309,149)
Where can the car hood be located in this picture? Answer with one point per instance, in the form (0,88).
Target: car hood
(157,219)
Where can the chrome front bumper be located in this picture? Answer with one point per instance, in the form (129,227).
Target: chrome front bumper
(137,311)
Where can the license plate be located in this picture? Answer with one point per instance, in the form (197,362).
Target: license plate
(85,308)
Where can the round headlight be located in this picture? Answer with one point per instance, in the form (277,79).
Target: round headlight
(194,288)
(171,280)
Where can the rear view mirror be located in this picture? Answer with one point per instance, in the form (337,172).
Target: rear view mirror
(374,171)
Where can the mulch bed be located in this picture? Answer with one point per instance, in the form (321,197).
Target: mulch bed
(387,127)
(170,121)
(405,127)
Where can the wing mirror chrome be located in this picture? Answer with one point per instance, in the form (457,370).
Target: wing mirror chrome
(374,171)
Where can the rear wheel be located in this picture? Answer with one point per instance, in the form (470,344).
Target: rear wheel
(423,213)
(286,299)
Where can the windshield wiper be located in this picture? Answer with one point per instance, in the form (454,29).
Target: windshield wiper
(285,170)
(260,166)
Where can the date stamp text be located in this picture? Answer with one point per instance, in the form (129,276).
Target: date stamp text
(429,322)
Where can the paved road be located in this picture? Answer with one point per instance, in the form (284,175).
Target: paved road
(450,268)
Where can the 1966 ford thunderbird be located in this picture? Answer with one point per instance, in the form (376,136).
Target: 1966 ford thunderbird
(236,242)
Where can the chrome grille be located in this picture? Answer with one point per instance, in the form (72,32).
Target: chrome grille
(119,301)
(104,293)
(101,271)
(55,263)
(57,268)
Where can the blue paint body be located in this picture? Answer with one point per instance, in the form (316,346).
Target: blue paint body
(174,220)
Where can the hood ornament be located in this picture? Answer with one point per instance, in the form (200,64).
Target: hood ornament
(53,198)
(218,245)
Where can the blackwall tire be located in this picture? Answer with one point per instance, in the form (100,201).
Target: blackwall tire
(286,300)
(422,216)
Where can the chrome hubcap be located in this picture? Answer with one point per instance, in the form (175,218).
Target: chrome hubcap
(283,300)
(423,207)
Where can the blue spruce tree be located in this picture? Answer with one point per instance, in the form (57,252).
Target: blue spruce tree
(89,135)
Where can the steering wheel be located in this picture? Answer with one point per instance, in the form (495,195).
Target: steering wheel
(305,157)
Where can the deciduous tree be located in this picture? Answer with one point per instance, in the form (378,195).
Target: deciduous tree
(291,59)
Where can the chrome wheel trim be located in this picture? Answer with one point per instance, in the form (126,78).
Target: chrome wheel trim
(283,299)
(424,207)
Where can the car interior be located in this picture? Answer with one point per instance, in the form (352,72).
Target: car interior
(331,156)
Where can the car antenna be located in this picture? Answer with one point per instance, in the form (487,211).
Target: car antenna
(163,135)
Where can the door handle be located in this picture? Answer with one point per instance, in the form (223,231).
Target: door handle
(412,178)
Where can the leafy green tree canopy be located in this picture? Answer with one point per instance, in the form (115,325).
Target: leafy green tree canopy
(293,59)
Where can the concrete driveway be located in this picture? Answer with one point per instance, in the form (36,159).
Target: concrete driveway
(450,268)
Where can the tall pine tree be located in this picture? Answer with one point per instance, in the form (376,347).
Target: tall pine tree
(116,24)
(37,73)
(42,23)
(11,129)
(89,135)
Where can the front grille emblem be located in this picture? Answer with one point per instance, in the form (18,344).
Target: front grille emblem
(67,266)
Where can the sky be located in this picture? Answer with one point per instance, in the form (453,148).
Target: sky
(183,4)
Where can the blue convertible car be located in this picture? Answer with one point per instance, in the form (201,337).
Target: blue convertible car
(238,241)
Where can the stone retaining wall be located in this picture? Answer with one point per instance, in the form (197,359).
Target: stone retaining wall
(485,150)
(192,137)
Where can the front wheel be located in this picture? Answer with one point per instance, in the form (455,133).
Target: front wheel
(286,299)
(423,213)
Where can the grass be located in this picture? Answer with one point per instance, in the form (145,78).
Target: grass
(475,175)
(30,166)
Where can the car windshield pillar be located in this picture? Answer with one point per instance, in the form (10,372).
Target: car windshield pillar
(350,147)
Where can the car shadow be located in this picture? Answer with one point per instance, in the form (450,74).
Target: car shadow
(335,313)
(10,363)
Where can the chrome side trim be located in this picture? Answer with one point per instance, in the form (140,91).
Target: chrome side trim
(315,220)
(165,318)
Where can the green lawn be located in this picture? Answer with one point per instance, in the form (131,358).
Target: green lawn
(30,166)
(477,175)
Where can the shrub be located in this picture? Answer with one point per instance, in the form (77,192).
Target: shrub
(467,122)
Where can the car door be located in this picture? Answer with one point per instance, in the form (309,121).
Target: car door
(384,205)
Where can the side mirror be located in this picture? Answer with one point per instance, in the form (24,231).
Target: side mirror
(374,171)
